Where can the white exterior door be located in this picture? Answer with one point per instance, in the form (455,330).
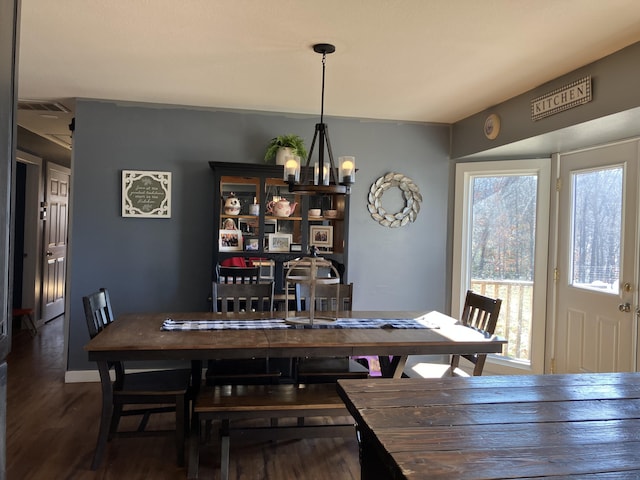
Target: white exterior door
(597,265)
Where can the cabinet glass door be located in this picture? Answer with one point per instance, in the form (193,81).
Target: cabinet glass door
(239,214)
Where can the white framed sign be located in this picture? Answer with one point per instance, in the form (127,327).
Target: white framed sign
(146,194)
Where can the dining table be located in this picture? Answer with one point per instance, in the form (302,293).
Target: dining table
(569,426)
(198,336)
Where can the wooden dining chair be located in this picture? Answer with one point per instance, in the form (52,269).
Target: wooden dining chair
(158,391)
(481,314)
(238,297)
(328,297)
(238,274)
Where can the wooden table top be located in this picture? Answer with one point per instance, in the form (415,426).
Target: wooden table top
(139,337)
(584,426)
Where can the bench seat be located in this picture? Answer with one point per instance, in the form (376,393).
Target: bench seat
(244,402)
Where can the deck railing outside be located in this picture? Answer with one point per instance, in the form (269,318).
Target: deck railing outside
(514,322)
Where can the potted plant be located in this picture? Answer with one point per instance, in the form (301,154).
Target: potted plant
(283,146)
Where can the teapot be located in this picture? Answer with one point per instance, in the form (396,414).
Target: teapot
(232,205)
(281,208)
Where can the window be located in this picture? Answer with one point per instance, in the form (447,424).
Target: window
(500,250)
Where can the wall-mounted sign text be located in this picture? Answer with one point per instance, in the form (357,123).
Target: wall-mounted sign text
(563,98)
(146,194)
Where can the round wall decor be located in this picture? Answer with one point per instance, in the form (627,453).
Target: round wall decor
(410,193)
(492,126)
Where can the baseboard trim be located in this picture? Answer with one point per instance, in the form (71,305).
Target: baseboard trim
(87,376)
(81,376)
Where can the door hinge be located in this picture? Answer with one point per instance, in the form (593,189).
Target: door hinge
(553,365)
(558,184)
(556,274)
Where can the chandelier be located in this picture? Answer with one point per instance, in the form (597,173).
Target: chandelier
(322,177)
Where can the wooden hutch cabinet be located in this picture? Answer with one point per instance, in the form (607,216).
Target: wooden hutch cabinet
(245,227)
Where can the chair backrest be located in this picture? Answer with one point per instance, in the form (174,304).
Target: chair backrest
(481,314)
(97,311)
(98,314)
(238,297)
(328,297)
(238,274)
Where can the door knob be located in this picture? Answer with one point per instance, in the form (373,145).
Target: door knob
(624,307)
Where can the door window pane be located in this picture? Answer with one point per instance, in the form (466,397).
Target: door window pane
(503,228)
(597,229)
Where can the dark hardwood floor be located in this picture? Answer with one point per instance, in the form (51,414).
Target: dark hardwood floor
(52,429)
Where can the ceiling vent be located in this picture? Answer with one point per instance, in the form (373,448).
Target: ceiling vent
(36,106)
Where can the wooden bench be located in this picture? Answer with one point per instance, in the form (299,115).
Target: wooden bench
(242,402)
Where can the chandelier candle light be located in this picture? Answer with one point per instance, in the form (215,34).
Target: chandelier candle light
(325,180)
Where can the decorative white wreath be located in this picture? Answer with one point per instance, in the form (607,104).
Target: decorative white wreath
(410,192)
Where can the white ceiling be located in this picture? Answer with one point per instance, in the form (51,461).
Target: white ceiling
(406,60)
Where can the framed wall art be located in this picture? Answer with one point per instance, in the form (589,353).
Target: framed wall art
(146,194)
(230,240)
(321,236)
(279,242)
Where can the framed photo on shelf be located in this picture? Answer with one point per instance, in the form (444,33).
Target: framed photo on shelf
(229,224)
(280,242)
(321,236)
(248,225)
(270,226)
(251,244)
(230,240)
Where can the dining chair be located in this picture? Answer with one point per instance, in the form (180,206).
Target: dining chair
(481,314)
(238,297)
(328,297)
(238,274)
(152,392)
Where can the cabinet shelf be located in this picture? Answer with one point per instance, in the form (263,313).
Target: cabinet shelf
(260,184)
(269,217)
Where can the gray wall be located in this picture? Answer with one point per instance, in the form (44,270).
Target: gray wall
(613,113)
(165,264)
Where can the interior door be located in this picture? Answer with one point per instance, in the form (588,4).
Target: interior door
(597,260)
(55,243)
(27,257)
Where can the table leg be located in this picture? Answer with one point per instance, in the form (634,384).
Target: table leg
(392,366)
(372,463)
(194,448)
(105,416)
(225,441)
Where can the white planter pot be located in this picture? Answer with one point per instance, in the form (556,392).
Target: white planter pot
(283,153)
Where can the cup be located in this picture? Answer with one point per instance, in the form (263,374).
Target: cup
(331,213)
(315,212)
(254,209)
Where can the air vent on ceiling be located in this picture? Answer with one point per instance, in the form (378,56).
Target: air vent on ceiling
(42,106)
